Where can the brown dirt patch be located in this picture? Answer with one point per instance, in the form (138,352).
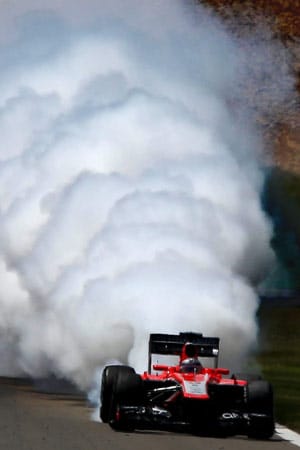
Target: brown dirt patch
(281,133)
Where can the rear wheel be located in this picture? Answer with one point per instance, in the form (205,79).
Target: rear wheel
(120,386)
(109,377)
(260,408)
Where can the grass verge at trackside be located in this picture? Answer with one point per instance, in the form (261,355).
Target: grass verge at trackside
(279,358)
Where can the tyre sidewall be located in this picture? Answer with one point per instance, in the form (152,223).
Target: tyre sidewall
(260,402)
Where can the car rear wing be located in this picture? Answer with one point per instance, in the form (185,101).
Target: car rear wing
(172,344)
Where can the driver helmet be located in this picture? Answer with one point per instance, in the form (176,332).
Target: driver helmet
(191,365)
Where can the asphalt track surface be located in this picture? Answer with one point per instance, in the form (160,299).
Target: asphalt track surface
(32,418)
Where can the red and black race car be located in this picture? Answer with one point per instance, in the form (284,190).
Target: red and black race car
(186,396)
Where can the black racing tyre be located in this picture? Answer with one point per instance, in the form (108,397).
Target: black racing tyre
(110,376)
(128,390)
(108,379)
(128,386)
(260,397)
(260,408)
(120,386)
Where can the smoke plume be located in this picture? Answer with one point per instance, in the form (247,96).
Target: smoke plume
(129,185)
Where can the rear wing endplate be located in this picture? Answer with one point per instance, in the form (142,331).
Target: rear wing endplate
(172,344)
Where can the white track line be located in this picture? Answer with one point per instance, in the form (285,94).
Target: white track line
(288,435)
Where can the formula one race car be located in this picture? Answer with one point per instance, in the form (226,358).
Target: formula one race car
(186,396)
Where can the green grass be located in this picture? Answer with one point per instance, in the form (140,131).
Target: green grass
(282,202)
(279,358)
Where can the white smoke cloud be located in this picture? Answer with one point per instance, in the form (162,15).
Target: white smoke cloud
(129,191)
